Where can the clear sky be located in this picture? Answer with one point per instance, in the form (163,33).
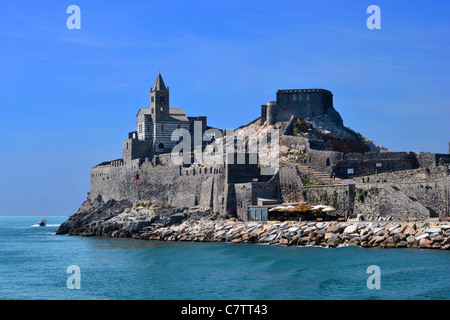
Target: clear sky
(69,97)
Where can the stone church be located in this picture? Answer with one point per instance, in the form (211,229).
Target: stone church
(156,124)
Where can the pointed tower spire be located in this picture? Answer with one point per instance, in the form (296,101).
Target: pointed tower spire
(159,83)
(159,100)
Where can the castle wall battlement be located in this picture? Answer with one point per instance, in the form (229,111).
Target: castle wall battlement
(303,90)
(357,164)
(164,183)
(305,103)
(201,170)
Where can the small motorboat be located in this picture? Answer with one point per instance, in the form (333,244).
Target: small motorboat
(42,223)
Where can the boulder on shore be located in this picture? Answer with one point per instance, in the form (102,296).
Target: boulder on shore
(121,219)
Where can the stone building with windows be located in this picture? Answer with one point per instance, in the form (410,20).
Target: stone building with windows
(155,125)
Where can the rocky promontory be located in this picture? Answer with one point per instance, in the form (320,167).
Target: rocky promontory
(148,222)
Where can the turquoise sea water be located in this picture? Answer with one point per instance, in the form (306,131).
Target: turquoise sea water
(34,262)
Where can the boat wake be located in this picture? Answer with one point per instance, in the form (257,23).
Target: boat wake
(47,225)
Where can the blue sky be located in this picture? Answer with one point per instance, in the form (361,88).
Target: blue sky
(69,97)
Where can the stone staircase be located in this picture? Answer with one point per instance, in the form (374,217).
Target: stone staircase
(322,177)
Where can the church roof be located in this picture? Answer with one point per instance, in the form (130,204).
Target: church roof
(146,111)
(177,114)
(159,83)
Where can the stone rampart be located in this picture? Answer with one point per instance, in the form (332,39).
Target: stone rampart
(382,200)
(385,201)
(160,184)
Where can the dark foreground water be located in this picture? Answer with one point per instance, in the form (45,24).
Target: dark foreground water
(34,262)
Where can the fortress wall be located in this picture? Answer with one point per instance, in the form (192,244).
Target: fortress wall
(386,201)
(163,185)
(205,191)
(434,195)
(340,197)
(426,160)
(415,175)
(431,160)
(379,156)
(324,161)
(292,142)
(240,169)
(137,149)
(244,198)
(168,185)
(306,103)
(263,117)
(372,163)
(380,200)
(290,183)
(192,171)
(247,194)
(114,182)
(442,159)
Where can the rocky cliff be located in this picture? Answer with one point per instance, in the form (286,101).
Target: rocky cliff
(123,219)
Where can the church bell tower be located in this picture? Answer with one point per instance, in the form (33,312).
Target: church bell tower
(159,100)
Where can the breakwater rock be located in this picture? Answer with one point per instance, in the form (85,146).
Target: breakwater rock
(117,219)
(326,234)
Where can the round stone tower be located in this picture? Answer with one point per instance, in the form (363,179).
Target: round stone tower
(272,112)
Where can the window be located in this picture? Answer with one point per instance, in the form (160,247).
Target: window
(161,99)
(294,97)
(328,162)
(140,127)
(161,145)
(138,178)
(300,97)
(162,128)
(152,99)
(307,97)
